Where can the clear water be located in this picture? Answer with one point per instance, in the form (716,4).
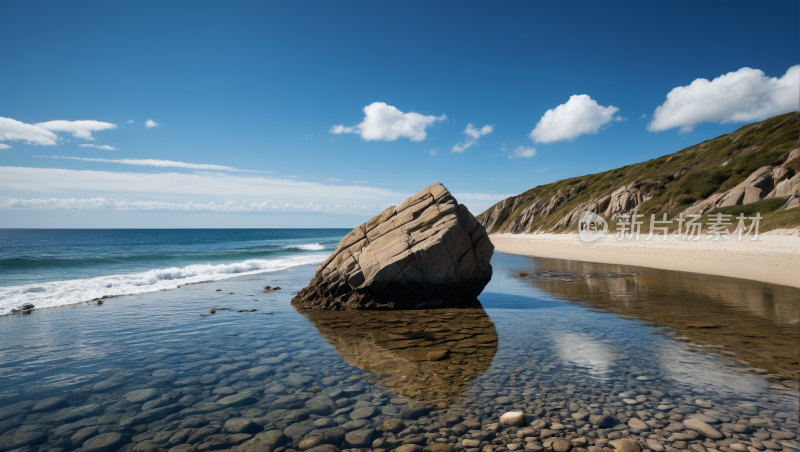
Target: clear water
(546,353)
(49,268)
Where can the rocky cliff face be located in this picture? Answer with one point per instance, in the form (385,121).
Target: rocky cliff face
(767,182)
(429,251)
(758,162)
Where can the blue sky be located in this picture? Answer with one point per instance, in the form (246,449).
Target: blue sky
(258,88)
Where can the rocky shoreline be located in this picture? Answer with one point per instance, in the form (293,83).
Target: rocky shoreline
(320,381)
(341,412)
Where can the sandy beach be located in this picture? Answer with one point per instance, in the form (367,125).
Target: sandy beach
(772,259)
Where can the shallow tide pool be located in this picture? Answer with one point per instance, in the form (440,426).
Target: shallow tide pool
(149,373)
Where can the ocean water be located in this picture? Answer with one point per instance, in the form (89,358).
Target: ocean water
(49,268)
(563,345)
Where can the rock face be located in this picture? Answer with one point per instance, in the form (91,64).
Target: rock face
(428,252)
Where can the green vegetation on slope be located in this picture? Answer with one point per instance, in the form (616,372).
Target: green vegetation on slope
(674,181)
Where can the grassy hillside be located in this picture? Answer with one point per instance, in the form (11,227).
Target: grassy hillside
(669,184)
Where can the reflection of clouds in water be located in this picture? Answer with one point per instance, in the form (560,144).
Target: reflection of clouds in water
(584,351)
(705,372)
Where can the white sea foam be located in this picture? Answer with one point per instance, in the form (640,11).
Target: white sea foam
(309,247)
(62,293)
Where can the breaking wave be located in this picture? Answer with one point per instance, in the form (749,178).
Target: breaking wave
(62,293)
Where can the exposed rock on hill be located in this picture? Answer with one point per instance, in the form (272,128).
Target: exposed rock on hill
(757,162)
(765,183)
(429,251)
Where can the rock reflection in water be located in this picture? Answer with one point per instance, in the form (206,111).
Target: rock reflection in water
(428,355)
(757,322)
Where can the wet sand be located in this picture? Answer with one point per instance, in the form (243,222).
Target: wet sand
(771,259)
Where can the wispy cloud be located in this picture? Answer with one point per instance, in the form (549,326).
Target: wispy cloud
(42,134)
(13,130)
(524,152)
(473,135)
(227,206)
(181,189)
(432,152)
(151,162)
(204,184)
(4,146)
(104,147)
(78,129)
(387,123)
(150,124)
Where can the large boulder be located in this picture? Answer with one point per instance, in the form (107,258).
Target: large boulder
(428,252)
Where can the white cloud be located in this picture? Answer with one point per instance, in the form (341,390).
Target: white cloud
(150,124)
(130,121)
(387,123)
(745,95)
(341,129)
(473,135)
(581,115)
(11,129)
(35,187)
(152,162)
(78,129)
(433,151)
(203,184)
(104,147)
(522,152)
(4,146)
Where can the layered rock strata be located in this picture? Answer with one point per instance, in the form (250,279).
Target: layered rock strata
(427,252)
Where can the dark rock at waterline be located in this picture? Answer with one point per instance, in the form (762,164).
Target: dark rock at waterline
(25,308)
(428,252)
